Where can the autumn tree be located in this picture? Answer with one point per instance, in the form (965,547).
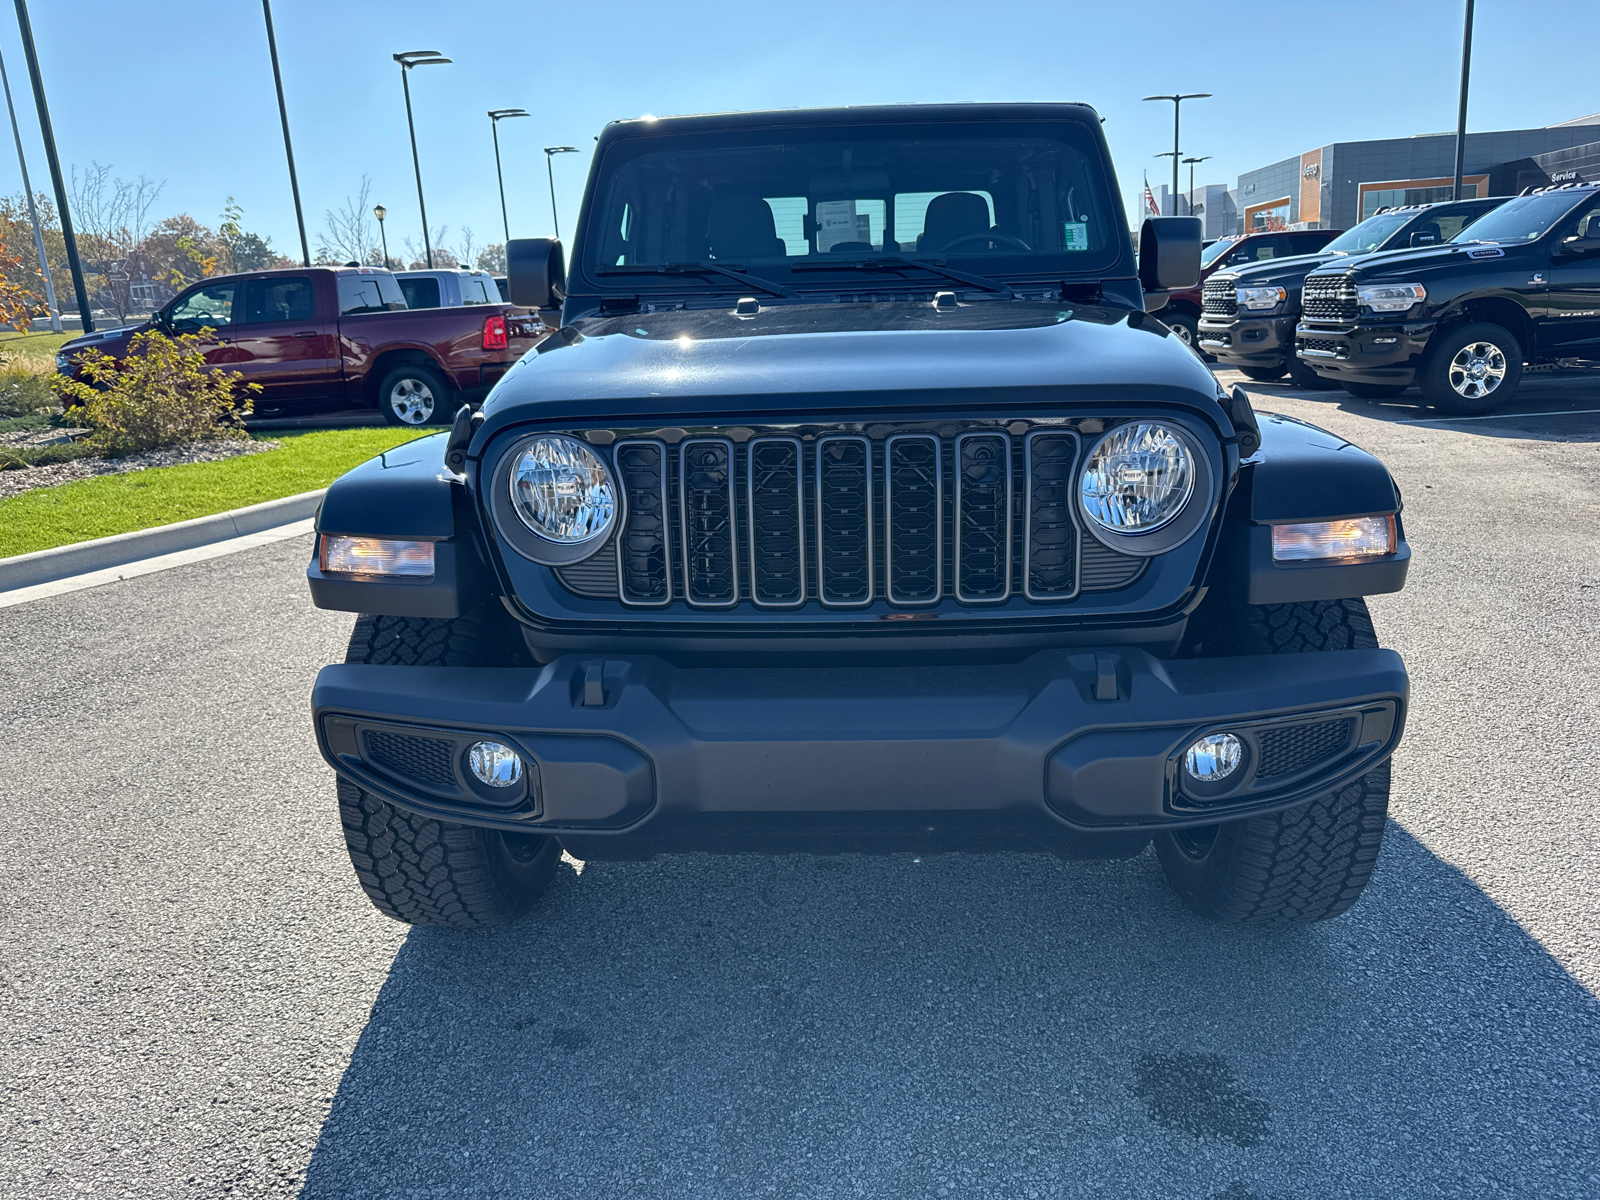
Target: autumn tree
(347,234)
(492,258)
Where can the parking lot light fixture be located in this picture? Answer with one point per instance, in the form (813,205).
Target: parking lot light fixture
(1191,162)
(496,115)
(380,212)
(549,157)
(1177,99)
(408,59)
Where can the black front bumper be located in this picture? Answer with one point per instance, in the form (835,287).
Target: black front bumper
(1063,750)
(1248,341)
(1388,353)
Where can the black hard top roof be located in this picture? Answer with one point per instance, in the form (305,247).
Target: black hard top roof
(872,114)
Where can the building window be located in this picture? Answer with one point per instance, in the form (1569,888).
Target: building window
(1268,216)
(1397,192)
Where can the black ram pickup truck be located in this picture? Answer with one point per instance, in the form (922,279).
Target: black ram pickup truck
(1519,285)
(1249,312)
(858,504)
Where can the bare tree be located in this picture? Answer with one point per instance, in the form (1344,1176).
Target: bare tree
(442,259)
(112,216)
(347,234)
(468,247)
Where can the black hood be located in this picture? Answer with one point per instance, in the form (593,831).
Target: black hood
(1391,264)
(1277,270)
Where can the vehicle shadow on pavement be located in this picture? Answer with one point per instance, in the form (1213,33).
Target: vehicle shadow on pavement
(968,1026)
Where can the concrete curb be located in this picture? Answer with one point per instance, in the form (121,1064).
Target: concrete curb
(47,566)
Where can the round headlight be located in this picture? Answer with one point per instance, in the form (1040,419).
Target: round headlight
(563,491)
(1138,478)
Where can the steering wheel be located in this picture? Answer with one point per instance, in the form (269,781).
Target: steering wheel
(1004,239)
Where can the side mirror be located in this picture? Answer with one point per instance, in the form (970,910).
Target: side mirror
(1424,239)
(1580,247)
(1169,253)
(536,272)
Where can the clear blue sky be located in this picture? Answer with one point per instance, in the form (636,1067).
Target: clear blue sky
(181,90)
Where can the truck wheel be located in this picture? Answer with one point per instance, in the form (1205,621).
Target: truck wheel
(416,869)
(1185,328)
(1262,374)
(1312,861)
(1474,369)
(1307,380)
(413,394)
(1374,391)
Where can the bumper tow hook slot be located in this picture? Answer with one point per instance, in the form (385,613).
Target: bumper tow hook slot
(1105,684)
(594,688)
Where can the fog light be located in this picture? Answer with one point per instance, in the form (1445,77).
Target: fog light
(495,763)
(1359,537)
(1213,757)
(375,556)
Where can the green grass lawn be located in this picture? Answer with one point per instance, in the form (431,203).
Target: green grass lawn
(109,504)
(37,351)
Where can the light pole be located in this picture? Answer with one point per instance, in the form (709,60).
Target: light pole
(407,60)
(288,147)
(380,212)
(496,115)
(549,153)
(1191,162)
(1461,113)
(50,157)
(1177,106)
(33,209)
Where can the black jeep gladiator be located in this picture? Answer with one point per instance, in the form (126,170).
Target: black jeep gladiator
(1249,312)
(1519,285)
(859,505)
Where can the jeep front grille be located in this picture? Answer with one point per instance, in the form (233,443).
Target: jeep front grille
(845,517)
(1220,297)
(1328,298)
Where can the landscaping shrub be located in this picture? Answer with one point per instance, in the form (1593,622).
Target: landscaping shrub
(161,394)
(15,458)
(24,393)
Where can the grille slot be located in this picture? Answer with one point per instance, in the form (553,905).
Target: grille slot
(642,574)
(983,517)
(913,473)
(1289,750)
(1050,535)
(427,760)
(1324,345)
(708,511)
(1219,298)
(776,507)
(1328,298)
(844,520)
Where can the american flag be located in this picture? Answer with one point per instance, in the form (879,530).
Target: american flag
(1150,199)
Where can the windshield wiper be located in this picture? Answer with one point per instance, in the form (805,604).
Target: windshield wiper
(703,268)
(893,262)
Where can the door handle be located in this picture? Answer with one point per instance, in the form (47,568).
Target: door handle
(307,333)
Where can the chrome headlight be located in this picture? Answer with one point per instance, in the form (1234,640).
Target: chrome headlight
(1390,297)
(1138,478)
(1260,297)
(563,491)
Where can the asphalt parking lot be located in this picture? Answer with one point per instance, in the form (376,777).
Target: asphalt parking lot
(199,1001)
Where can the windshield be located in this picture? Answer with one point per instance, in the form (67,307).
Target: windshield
(1524,218)
(1369,235)
(1218,248)
(997,197)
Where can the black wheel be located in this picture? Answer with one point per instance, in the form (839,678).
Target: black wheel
(1262,374)
(1374,391)
(414,394)
(1185,328)
(416,869)
(1312,861)
(1304,378)
(1473,369)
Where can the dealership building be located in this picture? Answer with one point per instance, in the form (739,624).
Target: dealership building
(1335,186)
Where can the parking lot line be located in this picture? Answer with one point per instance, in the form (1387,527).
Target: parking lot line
(1566,412)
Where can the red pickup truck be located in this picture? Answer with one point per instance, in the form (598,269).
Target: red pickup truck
(336,337)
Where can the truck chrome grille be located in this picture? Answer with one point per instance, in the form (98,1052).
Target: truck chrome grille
(1328,298)
(1220,297)
(966,511)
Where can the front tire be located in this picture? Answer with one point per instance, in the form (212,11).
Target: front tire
(1262,374)
(1185,328)
(416,869)
(414,394)
(1308,863)
(1307,380)
(1472,370)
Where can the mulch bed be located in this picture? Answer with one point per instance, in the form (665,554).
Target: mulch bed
(26,479)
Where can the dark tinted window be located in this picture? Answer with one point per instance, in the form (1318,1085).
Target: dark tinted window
(421,292)
(1524,218)
(369,294)
(268,300)
(1026,197)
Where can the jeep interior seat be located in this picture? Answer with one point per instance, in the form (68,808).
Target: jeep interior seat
(742,227)
(953,216)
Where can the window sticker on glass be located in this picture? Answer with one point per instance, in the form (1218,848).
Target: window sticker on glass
(1075,235)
